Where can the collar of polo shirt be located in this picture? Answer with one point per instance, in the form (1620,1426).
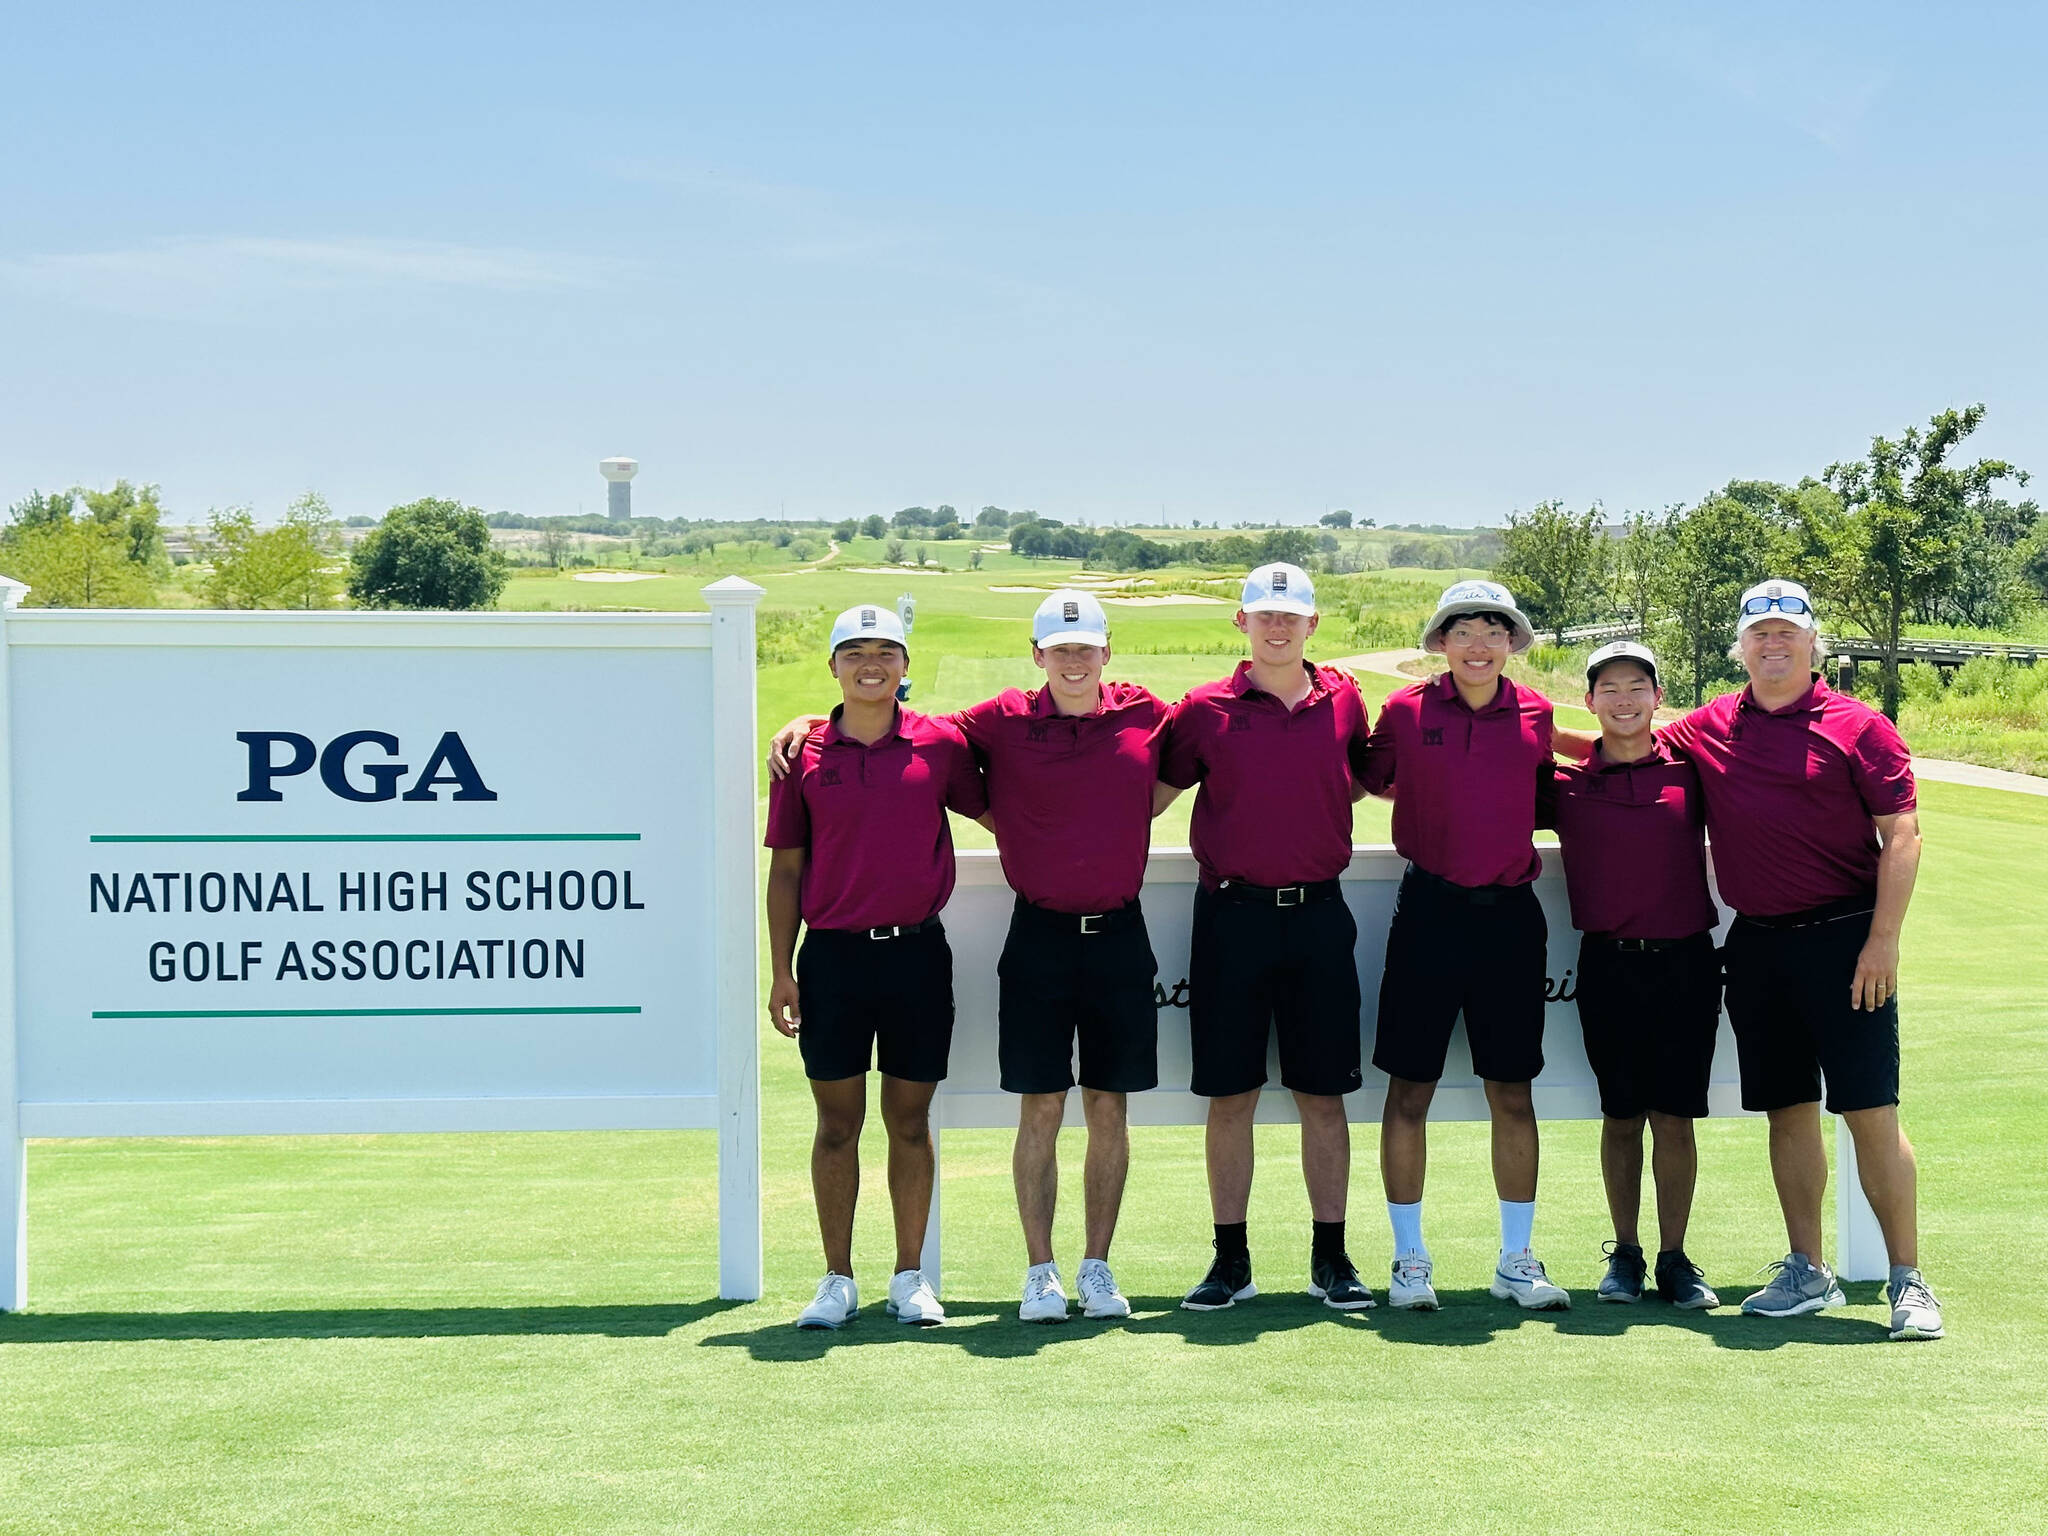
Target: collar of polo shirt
(899,729)
(1240,682)
(1809,701)
(1446,688)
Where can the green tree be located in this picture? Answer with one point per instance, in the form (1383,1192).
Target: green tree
(1555,562)
(134,510)
(1335,519)
(37,509)
(1711,553)
(294,565)
(1888,543)
(846,530)
(76,563)
(427,554)
(1637,566)
(874,527)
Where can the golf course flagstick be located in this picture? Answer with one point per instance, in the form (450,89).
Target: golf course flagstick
(13,1150)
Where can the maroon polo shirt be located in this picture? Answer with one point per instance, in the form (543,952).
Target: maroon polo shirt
(1071,794)
(873,820)
(1790,795)
(1633,837)
(1464,780)
(1275,803)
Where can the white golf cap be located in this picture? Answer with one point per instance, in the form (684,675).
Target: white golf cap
(1621,650)
(1278,588)
(1069,618)
(1776,599)
(870,621)
(1478,597)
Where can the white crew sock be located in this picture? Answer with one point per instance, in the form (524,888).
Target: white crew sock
(1407,1220)
(1517,1223)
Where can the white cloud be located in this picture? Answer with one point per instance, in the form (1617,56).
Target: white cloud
(174,276)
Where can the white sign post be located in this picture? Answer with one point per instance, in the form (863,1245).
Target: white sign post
(345,872)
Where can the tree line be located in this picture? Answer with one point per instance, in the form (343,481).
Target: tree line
(1906,534)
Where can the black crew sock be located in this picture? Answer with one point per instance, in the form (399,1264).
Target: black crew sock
(1326,1241)
(1231,1242)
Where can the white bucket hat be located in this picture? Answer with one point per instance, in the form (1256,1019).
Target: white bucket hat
(1478,597)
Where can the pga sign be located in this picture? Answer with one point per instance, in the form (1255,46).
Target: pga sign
(472,872)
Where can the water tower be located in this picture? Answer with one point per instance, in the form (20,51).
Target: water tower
(618,473)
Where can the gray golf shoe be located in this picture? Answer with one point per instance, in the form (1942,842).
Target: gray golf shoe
(1915,1312)
(1798,1285)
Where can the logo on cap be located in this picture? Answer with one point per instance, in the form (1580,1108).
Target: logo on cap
(1070,613)
(1279,581)
(1775,589)
(867,618)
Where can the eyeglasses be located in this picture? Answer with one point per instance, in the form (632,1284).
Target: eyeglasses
(1782,604)
(1492,639)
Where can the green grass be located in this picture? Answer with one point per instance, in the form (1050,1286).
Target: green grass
(520,1333)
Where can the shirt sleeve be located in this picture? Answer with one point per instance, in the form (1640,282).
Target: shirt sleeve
(966,793)
(1181,763)
(1882,769)
(789,819)
(1356,748)
(1380,753)
(976,723)
(1682,734)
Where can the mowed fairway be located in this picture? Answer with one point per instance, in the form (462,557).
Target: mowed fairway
(520,1333)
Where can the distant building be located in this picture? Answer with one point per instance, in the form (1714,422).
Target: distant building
(618,473)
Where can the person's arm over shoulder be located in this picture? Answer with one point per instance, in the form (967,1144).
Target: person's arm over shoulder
(789,818)
(1182,764)
(1881,767)
(1380,759)
(1683,734)
(977,722)
(966,791)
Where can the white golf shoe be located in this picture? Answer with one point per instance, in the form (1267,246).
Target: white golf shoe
(836,1304)
(912,1300)
(1099,1294)
(1045,1299)
(1519,1277)
(1409,1290)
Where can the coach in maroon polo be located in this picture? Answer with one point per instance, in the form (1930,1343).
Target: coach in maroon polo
(1813,814)
(1071,770)
(1631,828)
(863,858)
(1276,748)
(1461,754)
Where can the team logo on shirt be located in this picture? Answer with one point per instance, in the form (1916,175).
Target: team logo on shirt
(1035,731)
(828,775)
(1240,722)
(1432,735)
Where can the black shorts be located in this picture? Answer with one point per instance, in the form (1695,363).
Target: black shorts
(1454,949)
(889,999)
(1057,982)
(1253,966)
(1788,998)
(1650,1017)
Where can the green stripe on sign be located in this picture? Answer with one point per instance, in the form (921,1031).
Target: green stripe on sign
(334,1013)
(367,837)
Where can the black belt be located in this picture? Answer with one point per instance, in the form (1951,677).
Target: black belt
(1813,917)
(1280,895)
(1478,895)
(1112,921)
(1633,946)
(900,931)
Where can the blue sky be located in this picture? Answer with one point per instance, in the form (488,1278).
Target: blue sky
(1428,263)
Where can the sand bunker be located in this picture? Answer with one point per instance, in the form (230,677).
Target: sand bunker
(894,570)
(617,576)
(1166,600)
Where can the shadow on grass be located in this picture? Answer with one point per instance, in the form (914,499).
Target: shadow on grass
(990,1330)
(625,1321)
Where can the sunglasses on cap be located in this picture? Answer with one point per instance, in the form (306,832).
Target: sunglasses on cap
(1782,604)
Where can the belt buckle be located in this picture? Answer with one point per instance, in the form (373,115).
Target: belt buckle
(1637,946)
(1298,892)
(1090,917)
(883,933)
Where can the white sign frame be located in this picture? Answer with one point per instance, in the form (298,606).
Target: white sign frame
(726,631)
